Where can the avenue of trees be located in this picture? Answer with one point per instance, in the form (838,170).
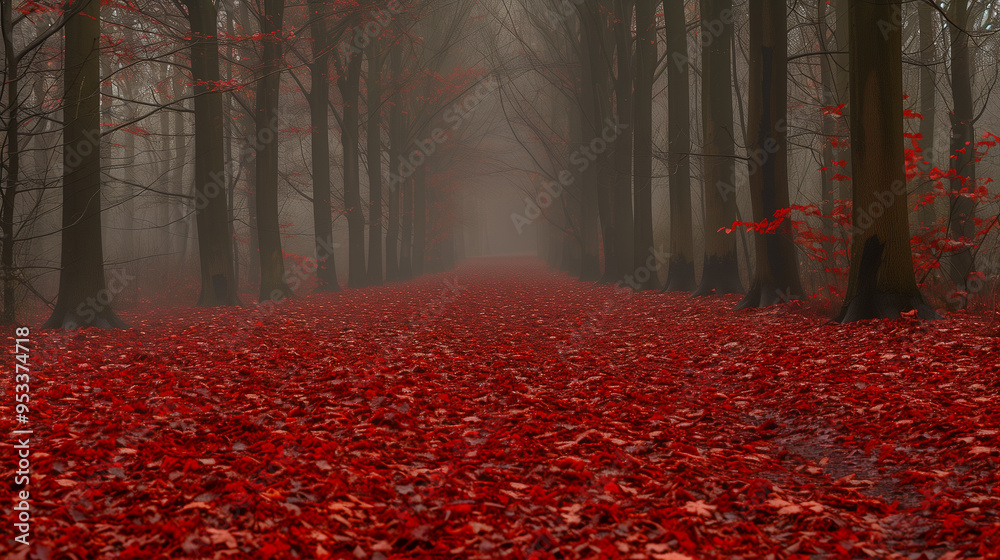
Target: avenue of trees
(769,149)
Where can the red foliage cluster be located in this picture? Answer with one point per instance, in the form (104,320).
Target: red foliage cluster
(517,416)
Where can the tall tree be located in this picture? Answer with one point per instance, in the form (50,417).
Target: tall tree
(272,267)
(215,250)
(720,271)
(326,268)
(83,298)
(928,96)
(623,84)
(396,141)
(645,74)
(349,83)
(881,283)
(963,148)
(776,274)
(374,137)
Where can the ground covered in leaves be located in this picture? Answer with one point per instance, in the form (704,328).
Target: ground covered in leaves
(487,414)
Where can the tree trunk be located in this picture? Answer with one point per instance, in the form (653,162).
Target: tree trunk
(215,249)
(776,272)
(13,167)
(928,95)
(720,271)
(406,242)
(417,261)
(396,140)
(961,224)
(326,268)
(272,268)
(828,98)
(680,276)
(623,220)
(842,77)
(645,74)
(881,282)
(374,137)
(349,134)
(84,299)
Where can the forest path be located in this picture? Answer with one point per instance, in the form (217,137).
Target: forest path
(505,410)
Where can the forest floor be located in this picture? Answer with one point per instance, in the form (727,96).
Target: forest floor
(487,414)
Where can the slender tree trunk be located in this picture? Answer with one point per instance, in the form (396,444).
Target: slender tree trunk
(215,249)
(179,233)
(928,95)
(680,276)
(406,243)
(842,77)
(326,268)
(350,133)
(590,266)
(881,283)
(272,268)
(418,259)
(720,272)
(776,273)
(396,140)
(961,222)
(623,219)
(374,137)
(84,299)
(645,74)
(828,98)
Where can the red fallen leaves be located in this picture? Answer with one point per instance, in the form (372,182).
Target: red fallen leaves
(336,427)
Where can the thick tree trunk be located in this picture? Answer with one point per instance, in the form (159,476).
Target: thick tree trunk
(215,249)
(881,283)
(961,224)
(680,276)
(720,271)
(374,137)
(350,138)
(326,268)
(776,273)
(13,167)
(272,268)
(84,299)
(645,74)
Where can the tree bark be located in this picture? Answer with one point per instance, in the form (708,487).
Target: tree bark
(374,137)
(645,74)
(273,287)
(928,95)
(720,270)
(961,224)
(326,268)
(215,249)
(881,282)
(776,273)
(623,219)
(83,299)
(396,141)
(680,276)
(350,88)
